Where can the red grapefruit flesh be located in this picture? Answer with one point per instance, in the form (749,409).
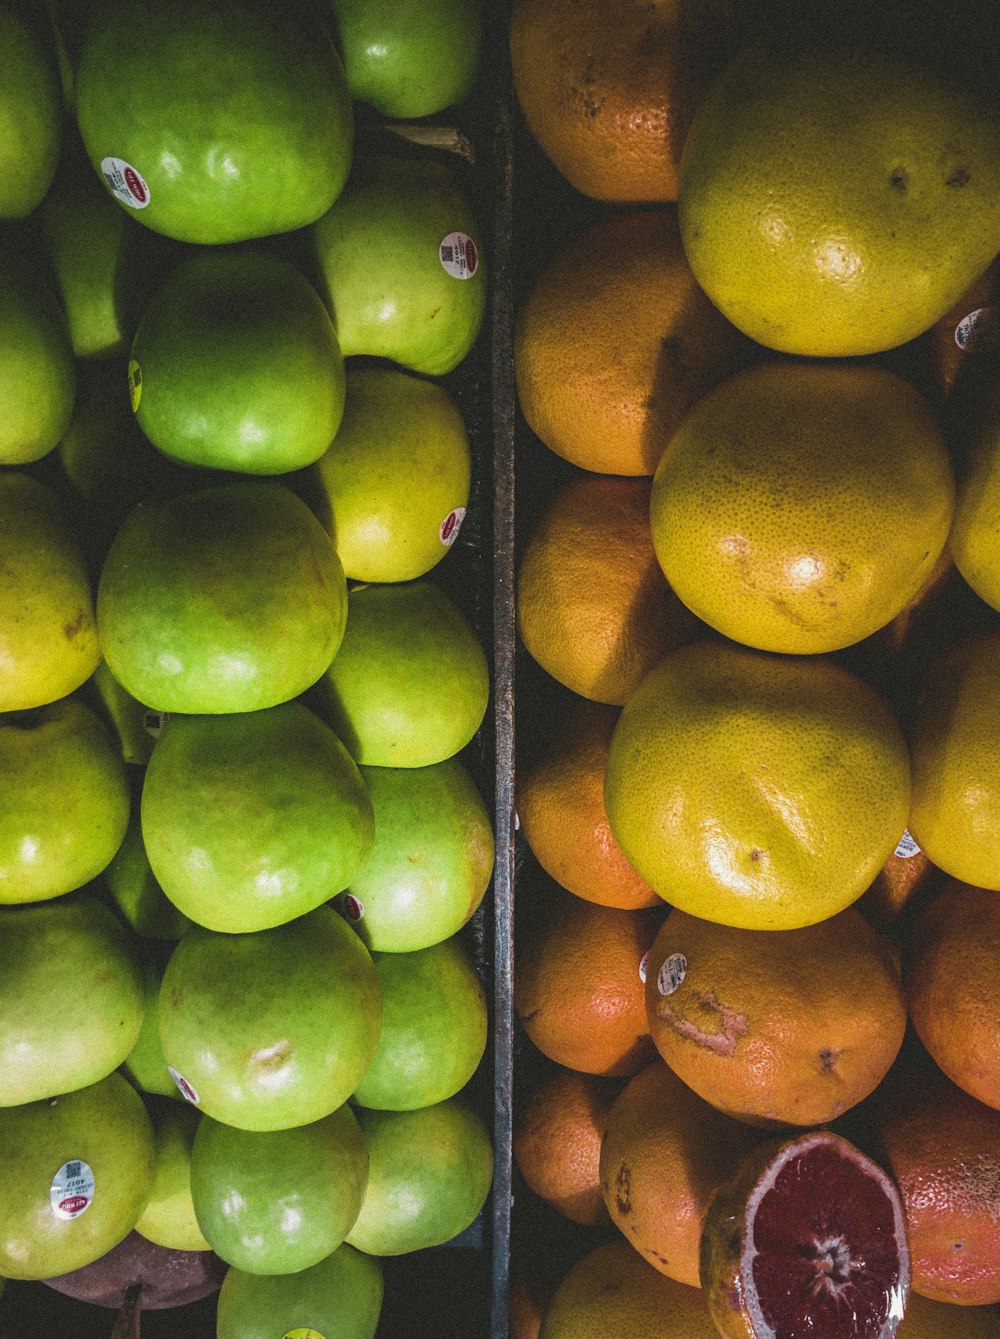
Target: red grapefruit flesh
(807,1242)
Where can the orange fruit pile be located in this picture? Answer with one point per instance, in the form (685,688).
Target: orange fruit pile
(768,589)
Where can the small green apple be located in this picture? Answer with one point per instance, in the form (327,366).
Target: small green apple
(429,1173)
(66,800)
(75,1174)
(71,997)
(250,819)
(271,1030)
(236,365)
(30,116)
(136,892)
(227,599)
(279,1201)
(169,1218)
(48,633)
(340,1298)
(214,124)
(37,372)
(144,1066)
(431,861)
(410,58)
(401,264)
(434,1028)
(395,480)
(410,684)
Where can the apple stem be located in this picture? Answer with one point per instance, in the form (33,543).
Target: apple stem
(127,1323)
(433,137)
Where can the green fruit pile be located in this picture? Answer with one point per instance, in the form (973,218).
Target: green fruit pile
(240,831)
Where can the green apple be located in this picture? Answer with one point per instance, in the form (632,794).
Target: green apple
(136,892)
(434,1028)
(169,1218)
(48,633)
(30,117)
(250,819)
(431,861)
(71,997)
(340,1298)
(66,800)
(236,365)
(144,1066)
(89,242)
(271,1030)
(395,481)
(227,599)
(214,123)
(75,1174)
(401,264)
(279,1201)
(429,1173)
(410,684)
(409,58)
(37,372)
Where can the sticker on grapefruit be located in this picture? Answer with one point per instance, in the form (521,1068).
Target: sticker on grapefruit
(450,526)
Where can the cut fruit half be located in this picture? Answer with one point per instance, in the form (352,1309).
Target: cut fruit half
(806,1242)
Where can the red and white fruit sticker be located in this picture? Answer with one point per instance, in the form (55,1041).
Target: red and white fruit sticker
(72,1190)
(643,965)
(975,329)
(907,847)
(450,526)
(671,973)
(459,255)
(186,1090)
(354,908)
(125,182)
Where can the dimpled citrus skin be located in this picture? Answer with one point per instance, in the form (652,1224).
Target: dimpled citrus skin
(975,535)
(593,608)
(608,100)
(801,507)
(615,342)
(756,790)
(954,742)
(837,203)
(792,1029)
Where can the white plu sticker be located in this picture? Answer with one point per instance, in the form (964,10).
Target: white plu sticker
(450,526)
(186,1090)
(643,965)
(907,847)
(459,255)
(671,973)
(153,722)
(125,182)
(354,908)
(72,1190)
(973,330)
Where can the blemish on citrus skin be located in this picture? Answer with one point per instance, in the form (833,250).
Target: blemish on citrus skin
(723,1041)
(623,1190)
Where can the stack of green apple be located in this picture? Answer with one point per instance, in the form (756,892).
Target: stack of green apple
(238,844)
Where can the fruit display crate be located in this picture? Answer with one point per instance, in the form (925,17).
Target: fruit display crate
(458,1289)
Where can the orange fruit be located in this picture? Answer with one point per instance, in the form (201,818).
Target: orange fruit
(954,744)
(925,1319)
(610,98)
(593,608)
(560,804)
(967,336)
(756,790)
(577,984)
(801,506)
(837,201)
(943,1148)
(807,1239)
(525,1310)
(615,342)
(904,880)
(664,1152)
(612,1291)
(791,1028)
(953,986)
(557,1142)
